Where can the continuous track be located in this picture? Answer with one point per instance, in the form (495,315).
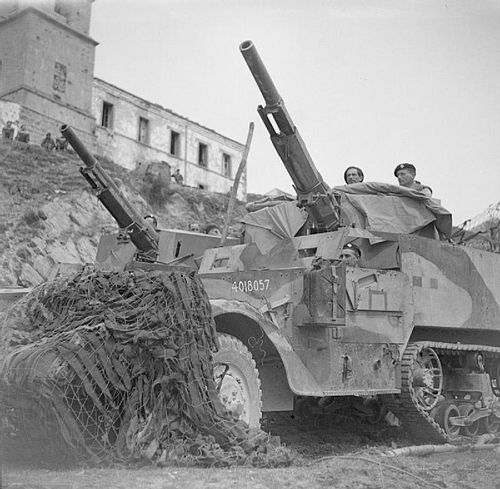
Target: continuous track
(417,420)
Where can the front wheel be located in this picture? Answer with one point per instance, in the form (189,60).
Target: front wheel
(237,380)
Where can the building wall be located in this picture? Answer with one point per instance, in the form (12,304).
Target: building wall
(39,124)
(120,141)
(13,54)
(47,68)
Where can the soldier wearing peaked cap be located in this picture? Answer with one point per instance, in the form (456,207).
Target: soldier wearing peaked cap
(350,254)
(405,173)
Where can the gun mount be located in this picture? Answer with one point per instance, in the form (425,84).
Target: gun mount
(132,225)
(312,192)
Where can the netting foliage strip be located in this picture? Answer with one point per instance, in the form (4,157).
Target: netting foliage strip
(109,366)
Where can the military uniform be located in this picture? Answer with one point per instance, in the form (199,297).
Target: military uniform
(48,143)
(23,135)
(8,131)
(415,184)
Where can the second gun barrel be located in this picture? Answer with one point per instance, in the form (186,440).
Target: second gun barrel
(259,72)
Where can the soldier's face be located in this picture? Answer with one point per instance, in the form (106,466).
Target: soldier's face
(405,177)
(352,176)
(349,256)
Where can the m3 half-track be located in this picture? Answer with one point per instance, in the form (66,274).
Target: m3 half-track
(415,324)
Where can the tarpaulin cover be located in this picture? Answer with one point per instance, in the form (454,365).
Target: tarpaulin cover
(393,209)
(377,207)
(270,225)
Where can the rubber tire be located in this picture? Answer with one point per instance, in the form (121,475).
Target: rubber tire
(444,411)
(242,374)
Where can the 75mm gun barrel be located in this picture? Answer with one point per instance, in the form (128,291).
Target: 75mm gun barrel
(141,233)
(312,192)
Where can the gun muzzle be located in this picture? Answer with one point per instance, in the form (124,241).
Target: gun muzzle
(259,72)
(78,146)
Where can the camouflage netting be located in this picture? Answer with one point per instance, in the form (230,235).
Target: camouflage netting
(105,367)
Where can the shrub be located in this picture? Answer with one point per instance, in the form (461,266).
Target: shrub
(156,190)
(31,217)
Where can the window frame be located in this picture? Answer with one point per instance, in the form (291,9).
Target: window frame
(202,155)
(143,123)
(175,143)
(227,165)
(107,115)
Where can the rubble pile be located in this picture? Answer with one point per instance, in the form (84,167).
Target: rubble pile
(105,367)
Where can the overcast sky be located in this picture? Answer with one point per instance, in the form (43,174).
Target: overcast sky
(370,83)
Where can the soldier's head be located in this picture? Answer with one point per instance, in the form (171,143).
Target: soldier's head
(353,174)
(405,173)
(350,254)
(213,230)
(151,220)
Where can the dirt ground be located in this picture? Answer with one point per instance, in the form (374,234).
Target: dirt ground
(350,456)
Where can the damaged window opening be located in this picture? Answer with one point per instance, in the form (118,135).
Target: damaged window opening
(226,165)
(202,155)
(143,134)
(107,115)
(175,138)
(59,81)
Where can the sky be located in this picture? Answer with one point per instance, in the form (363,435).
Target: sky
(370,83)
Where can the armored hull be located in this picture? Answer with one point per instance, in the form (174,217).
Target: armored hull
(416,324)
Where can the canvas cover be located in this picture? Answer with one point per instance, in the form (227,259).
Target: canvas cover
(377,207)
(269,225)
(392,209)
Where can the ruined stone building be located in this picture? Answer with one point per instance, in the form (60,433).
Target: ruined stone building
(47,79)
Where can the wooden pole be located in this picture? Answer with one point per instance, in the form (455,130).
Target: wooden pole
(234,188)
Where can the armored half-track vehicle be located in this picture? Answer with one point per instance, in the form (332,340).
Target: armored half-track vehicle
(414,323)
(411,323)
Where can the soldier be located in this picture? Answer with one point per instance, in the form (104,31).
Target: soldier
(8,131)
(152,221)
(405,173)
(213,230)
(48,143)
(23,136)
(350,254)
(353,174)
(178,177)
(61,144)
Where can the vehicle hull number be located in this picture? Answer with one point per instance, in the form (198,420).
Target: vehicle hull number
(250,285)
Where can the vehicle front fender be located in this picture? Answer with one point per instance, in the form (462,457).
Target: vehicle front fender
(300,380)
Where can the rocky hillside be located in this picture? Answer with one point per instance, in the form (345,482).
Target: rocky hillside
(50,220)
(482,231)
(485,220)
